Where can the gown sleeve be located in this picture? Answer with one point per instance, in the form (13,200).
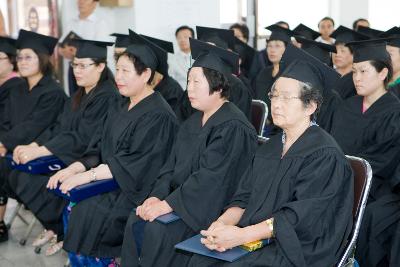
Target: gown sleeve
(144,150)
(203,195)
(70,145)
(44,114)
(162,187)
(322,193)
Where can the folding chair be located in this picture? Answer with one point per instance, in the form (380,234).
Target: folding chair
(362,183)
(16,213)
(41,165)
(259,113)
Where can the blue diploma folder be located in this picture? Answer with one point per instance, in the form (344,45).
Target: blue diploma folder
(40,165)
(166,218)
(88,190)
(194,245)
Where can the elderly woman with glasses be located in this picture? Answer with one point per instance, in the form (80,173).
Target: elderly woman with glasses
(298,191)
(68,139)
(32,104)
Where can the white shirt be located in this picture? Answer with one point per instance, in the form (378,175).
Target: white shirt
(91,28)
(319,39)
(178,66)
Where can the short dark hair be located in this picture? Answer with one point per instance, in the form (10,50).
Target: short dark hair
(13,60)
(139,66)
(217,81)
(283,22)
(45,66)
(242,28)
(308,94)
(379,65)
(355,27)
(184,27)
(327,18)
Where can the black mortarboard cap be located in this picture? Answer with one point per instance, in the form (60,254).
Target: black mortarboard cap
(306,32)
(345,35)
(121,40)
(91,49)
(8,45)
(369,50)
(220,37)
(304,67)
(70,39)
(38,42)
(395,34)
(319,50)
(246,53)
(167,46)
(213,57)
(372,33)
(279,33)
(157,60)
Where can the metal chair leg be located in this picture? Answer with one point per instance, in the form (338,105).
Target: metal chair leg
(28,231)
(14,214)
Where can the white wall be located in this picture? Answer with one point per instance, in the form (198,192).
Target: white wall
(158,18)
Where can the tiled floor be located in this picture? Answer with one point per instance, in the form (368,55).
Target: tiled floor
(12,254)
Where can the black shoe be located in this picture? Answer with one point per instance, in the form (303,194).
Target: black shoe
(3,232)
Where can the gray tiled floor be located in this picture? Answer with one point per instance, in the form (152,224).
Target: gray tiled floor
(12,254)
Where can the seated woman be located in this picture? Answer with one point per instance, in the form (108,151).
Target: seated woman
(32,105)
(367,125)
(297,192)
(212,150)
(68,139)
(135,143)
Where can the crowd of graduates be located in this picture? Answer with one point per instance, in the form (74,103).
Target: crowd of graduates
(195,152)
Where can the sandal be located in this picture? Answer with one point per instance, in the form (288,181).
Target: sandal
(3,232)
(43,238)
(54,246)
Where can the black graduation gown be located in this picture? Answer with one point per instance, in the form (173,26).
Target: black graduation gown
(135,144)
(395,89)
(27,114)
(68,139)
(5,89)
(308,192)
(331,101)
(197,182)
(373,136)
(31,112)
(345,86)
(170,89)
(239,95)
(378,243)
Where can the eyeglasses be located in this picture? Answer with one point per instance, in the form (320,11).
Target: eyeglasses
(80,66)
(26,58)
(284,98)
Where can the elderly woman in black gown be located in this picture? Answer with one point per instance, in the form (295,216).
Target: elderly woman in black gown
(297,192)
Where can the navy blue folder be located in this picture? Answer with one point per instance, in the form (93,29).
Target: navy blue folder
(166,218)
(40,165)
(194,245)
(88,190)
